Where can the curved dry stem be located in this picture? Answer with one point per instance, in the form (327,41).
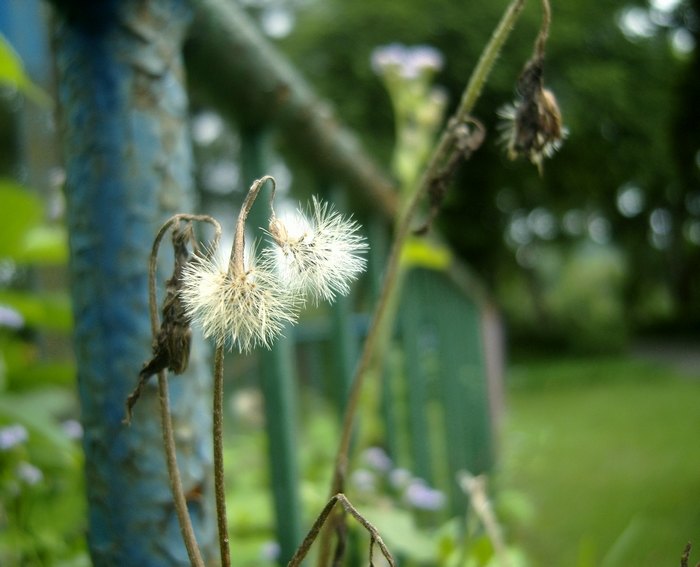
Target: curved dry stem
(237,265)
(169,445)
(375,538)
(152,266)
(272,197)
(236,268)
(219,486)
(542,37)
(183,516)
(475,488)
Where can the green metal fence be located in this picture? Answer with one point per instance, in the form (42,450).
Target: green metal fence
(440,381)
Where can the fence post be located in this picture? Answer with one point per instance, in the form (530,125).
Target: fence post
(278,380)
(128,166)
(343,335)
(416,387)
(464,380)
(378,252)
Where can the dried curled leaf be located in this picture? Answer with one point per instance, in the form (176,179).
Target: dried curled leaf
(171,347)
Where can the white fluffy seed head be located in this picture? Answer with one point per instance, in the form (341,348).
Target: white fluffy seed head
(245,310)
(318,252)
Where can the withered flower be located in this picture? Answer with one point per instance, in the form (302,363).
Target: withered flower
(532,126)
(171,346)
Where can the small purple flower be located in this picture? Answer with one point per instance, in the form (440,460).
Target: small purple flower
(73,429)
(410,62)
(387,56)
(426,58)
(29,473)
(363,480)
(10,318)
(270,551)
(377,459)
(399,478)
(12,435)
(421,496)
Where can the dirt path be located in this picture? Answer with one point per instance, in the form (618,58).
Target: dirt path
(684,355)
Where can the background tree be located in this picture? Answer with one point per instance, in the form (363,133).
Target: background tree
(625,179)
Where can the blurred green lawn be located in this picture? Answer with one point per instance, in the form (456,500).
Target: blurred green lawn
(607,452)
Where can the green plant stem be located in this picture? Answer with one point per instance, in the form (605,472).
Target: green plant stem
(219,486)
(403,230)
(485,63)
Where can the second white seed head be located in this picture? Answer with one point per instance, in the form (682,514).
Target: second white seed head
(318,252)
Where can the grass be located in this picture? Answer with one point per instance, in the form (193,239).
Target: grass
(607,451)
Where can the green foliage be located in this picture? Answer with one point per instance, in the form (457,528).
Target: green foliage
(579,302)
(26,237)
(587,298)
(622,98)
(20,211)
(407,74)
(412,522)
(42,513)
(12,73)
(604,450)
(41,480)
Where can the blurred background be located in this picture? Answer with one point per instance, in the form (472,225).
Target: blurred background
(547,333)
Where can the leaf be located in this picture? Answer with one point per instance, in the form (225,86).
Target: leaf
(399,532)
(418,252)
(20,212)
(44,245)
(47,311)
(12,73)
(38,411)
(55,373)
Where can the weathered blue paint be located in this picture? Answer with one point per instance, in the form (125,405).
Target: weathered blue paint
(128,163)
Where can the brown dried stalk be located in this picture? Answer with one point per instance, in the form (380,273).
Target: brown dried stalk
(310,538)
(170,341)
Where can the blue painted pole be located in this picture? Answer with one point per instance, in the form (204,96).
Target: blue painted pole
(128,163)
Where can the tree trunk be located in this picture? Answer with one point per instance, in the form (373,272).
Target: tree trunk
(123,111)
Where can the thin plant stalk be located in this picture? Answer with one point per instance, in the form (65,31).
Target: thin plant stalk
(541,40)
(176,488)
(481,72)
(375,538)
(236,268)
(403,230)
(218,440)
(183,516)
(475,488)
(152,300)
